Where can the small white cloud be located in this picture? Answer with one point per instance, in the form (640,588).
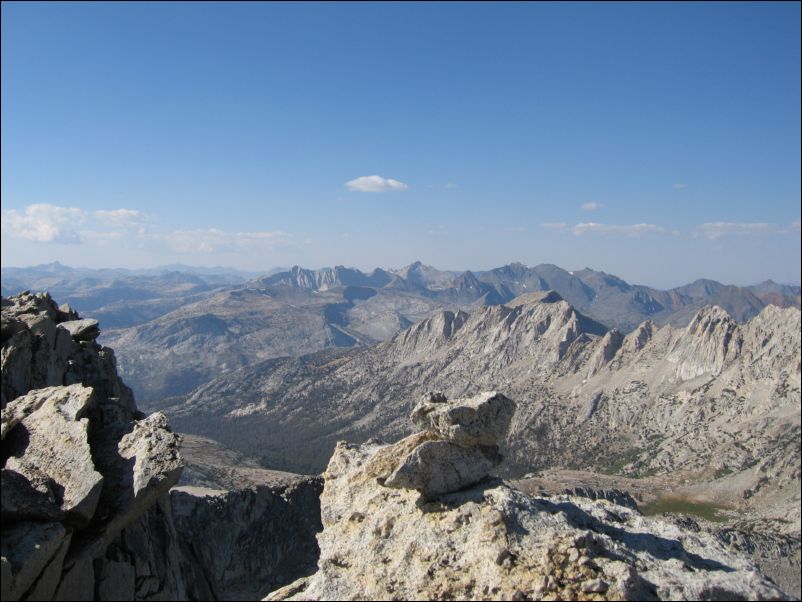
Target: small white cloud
(120,218)
(616,229)
(679,186)
(592,206)
(43,222)
(375,184)
(555,225)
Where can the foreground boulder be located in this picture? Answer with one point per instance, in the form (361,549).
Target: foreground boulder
(458,445)
(83,471)
(493,542)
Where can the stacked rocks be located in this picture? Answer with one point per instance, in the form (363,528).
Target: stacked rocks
(463,448)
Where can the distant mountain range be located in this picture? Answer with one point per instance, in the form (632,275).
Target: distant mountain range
(175,327)
(122,297)
(598,294)
(712,401)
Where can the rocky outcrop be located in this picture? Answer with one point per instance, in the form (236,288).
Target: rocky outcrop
(616,496)
(242,544)
(86,508)
(493,542)
(458,445)
(83,471)
(243,530)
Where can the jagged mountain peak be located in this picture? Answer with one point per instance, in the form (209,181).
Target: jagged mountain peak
(709,314)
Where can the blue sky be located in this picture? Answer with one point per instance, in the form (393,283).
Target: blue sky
(659,142)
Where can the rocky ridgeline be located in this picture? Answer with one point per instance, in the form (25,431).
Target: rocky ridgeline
(420,519)
(87,511)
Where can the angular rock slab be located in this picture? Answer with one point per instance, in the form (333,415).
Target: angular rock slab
(82,330)
(50,447)
(437,467)
(146,464)
(155,451)
(480,420)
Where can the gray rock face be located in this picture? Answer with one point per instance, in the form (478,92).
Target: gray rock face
(27,549)
(86,507)
(480,420)
(437,467)
(80,465)
(239,545)
(82,330)
(50,448)
(38,351)
(494,542)
(616,496)
(458,444)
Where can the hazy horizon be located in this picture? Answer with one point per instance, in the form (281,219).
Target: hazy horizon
(369,269)
(656,142)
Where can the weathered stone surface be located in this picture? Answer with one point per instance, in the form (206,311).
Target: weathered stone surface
(155,451)
(27,547)
(150,546)
(437,467)
(499,543)
(13,414)
(116,581)
(139,467)
(616,496)
(6,577)
(20,501)
(77,582)
(77,453)
(480,420)
(46,584)
(82,330)
(38,352)
(50,447)
(239,545)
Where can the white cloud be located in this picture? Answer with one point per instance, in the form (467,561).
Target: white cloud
(715,230)
(616,229)
(375,184)
(592,206)
(120,218)
(211,240)
(43,222)
(679,186)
